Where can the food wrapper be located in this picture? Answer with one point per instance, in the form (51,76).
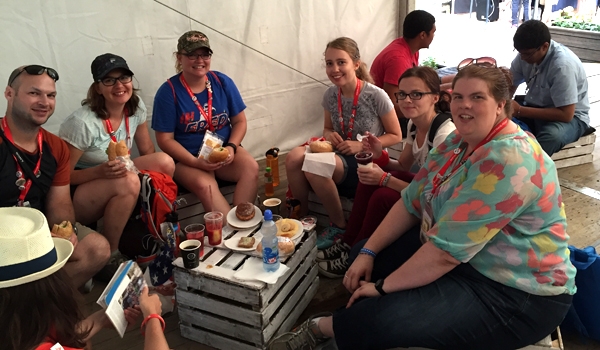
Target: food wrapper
(322,164)
(129,165)
(210,142)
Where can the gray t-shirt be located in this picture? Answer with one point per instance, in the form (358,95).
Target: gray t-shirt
(86,132)
(373,103)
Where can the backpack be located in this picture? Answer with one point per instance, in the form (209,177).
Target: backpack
(435,125)
(158,195)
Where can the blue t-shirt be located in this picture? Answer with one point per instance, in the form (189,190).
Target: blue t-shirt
(181,116)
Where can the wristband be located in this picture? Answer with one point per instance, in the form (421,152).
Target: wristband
(383,176)
(368,252)
(148,318)
(383,159)
(386,180)
(232,145)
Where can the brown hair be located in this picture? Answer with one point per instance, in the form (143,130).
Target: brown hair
(178,67)
(97,103)
(432,80)
(351,47)
(32,311)
(499,81)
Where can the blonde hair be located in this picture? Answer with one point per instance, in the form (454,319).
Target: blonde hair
(351,47)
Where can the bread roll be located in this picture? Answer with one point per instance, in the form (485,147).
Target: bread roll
(112,150)
(122,149)
(117,149)
(321,146)
(218,155)
(63,230)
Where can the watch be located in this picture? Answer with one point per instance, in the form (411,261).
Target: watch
(379,287)
(75,229)
(232,145)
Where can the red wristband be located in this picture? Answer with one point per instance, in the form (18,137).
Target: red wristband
(383,160)
(382,178)
(148,318)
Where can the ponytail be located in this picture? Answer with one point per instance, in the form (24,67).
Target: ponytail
(362,73)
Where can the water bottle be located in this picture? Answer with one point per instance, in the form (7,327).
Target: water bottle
(270,249)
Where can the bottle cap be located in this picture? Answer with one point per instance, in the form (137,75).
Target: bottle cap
(268,169)
(268,215)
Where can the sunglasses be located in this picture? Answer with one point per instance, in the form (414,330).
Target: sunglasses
(194,56)
(415,95)
(33,69)
(108,81)
(487,62)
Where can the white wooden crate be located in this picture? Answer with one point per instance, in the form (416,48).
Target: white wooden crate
(192,211)
(217,310)
(576,153)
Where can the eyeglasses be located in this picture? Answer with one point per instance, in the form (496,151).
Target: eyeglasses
(194,56)
(33,69)
(108,81)
(528,56)
(415,95)
(488,62)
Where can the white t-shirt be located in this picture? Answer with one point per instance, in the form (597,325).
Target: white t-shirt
(86,132)
(420,153)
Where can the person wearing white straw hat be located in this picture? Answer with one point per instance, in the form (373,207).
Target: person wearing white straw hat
(37,302)
(34,166)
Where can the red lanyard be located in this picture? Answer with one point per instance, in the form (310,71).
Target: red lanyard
(111,132)
(440,177)
(207,117)
(354,108)
(22,184)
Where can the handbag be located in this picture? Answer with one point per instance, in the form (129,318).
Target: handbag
(584,314)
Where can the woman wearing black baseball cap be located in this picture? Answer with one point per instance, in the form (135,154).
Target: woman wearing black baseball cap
(112,111)
(188,105)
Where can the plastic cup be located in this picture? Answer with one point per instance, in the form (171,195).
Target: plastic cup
(195,231)
(190,253)
(277,217)
(273,204)
(214,227)
(364,159)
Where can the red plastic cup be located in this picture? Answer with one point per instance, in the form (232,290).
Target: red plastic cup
(195,231)
(214,227)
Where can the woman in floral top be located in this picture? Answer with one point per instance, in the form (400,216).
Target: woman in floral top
(475,254)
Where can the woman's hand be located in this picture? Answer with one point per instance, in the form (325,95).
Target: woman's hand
(370,176)
(361,267)
(349,147)
(149,304)
(113,169)
(366,289)
(334,138)
(205,165)
(132,315)
(230,157)
(373,144)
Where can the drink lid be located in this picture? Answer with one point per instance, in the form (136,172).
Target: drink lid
(272,152)
(268,215)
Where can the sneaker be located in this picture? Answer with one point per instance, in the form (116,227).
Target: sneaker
(335,268)
(329,236)
(111,267)
(333,252)
(304,337)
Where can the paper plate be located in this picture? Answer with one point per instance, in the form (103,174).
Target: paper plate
(235,222)
(297,233)
(232,244)
(281,254)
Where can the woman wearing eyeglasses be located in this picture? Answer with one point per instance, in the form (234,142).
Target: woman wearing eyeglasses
(474,255)
(189,104)
(429,122)
(112,111)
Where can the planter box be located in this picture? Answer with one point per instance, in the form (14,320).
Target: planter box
(583,43)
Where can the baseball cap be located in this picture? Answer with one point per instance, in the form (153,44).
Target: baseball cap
(192,41)
(104,64)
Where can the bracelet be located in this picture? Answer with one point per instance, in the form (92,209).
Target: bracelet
(387,178)
(148,318)
(383,159)
(383,176)
(232,145)
(367,252)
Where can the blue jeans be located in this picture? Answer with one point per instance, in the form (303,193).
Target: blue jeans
(515,10)
(553,136)
(461,310)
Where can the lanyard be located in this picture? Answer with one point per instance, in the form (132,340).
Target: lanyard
(441,176)
(22,184)
(207,117)
(112,133)
(354,107)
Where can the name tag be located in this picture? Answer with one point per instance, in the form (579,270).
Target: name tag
(57,346)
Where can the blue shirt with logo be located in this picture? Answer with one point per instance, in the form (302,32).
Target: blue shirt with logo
(174,111)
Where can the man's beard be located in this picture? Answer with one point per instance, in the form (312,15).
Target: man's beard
(25,119)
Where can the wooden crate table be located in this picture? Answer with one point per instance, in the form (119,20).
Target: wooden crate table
(220,311)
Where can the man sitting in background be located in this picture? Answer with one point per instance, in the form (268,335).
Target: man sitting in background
(34,166)
(556,103)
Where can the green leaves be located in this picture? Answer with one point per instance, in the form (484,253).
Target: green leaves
(576,24)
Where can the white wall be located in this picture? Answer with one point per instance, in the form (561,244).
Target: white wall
(284,107)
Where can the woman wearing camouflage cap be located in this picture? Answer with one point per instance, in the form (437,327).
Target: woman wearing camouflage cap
(188,104)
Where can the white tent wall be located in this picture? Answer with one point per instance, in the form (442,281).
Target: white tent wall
(283,106)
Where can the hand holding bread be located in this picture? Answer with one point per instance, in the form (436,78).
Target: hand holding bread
(218,155)
(117,149)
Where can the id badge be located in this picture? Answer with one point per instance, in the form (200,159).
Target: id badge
(426,221)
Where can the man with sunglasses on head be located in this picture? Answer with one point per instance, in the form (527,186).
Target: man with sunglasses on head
(556,106)
(34,166)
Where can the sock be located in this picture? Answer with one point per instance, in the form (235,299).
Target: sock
(315,328)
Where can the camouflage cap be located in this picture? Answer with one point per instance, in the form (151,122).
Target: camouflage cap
(192,41)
